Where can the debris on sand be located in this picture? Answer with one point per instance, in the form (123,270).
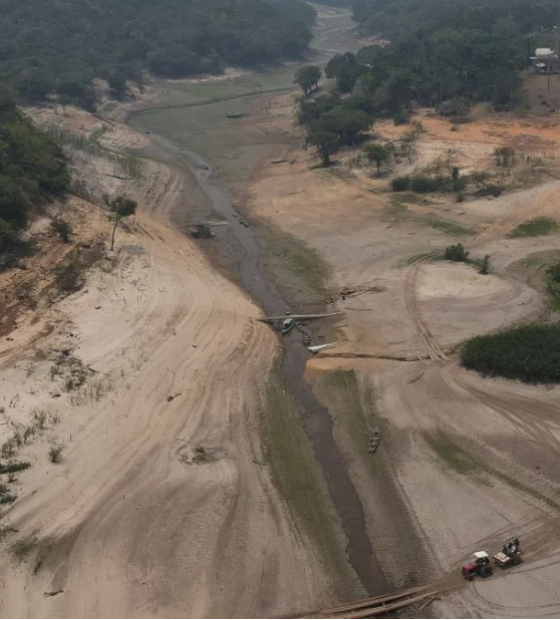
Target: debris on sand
(173,396)
(355,291)
(374,440)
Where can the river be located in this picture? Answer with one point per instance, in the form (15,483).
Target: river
(316,419)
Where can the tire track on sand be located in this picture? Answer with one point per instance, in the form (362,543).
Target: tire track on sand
(435,352)
(130,525)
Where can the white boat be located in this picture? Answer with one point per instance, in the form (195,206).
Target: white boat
(319,347)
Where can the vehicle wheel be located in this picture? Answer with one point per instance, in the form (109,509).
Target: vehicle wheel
(470,577)
(486,571)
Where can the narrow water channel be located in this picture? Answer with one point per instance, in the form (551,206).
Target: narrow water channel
(317,421)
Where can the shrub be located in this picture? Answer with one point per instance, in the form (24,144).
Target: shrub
(8,449)
(402,117)
(5,496)
(14,466)
(554,272)
(62,229)
(458,182)
(490,190)
(530,354)
(484,268)
(400,184)
(423,184)
(39,419)
(69,278)
(456,253)
(55,454)
(505,156)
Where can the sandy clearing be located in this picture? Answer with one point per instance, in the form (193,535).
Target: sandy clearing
(432,414)
(474,460)
(80,124)
(130,525)
(456,280)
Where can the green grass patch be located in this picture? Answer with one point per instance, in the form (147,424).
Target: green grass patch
(344,395)
(411,199)
(297,269)
(530,354)
(532,261)
(447,227)
(96,135)
(398,210)
(553,290)
(451,455)
(13,466)
(537,227)
(24,549)
(396,207)
(552,285)
(353,407)
(6,496)
(296,473)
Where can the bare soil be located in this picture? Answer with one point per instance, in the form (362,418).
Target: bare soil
(146,378)
(471,461)
(156,379)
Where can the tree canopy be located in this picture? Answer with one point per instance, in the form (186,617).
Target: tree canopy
(308,78)
(122,207)
(505,18)
(377,153)
(442,49)
(59,46)
(32,171)
(332,122)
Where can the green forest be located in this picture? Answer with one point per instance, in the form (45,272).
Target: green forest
(59,46)
(449,52)
(530,353)
(402,18)
(442,49)
(32,171)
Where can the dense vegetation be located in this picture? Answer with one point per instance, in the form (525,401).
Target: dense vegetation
(32,170)
(308,78)
(441,49)
(332,122)
(530,354)
(56,46)
(443,53)
(397,18)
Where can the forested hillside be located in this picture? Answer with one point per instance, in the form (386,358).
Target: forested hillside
(396,18)
(442,49)
(338,3)
(32,171)
(52,46)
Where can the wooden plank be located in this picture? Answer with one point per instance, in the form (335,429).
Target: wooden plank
(272,319)
(383,609)
(428,601)
(367,602)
